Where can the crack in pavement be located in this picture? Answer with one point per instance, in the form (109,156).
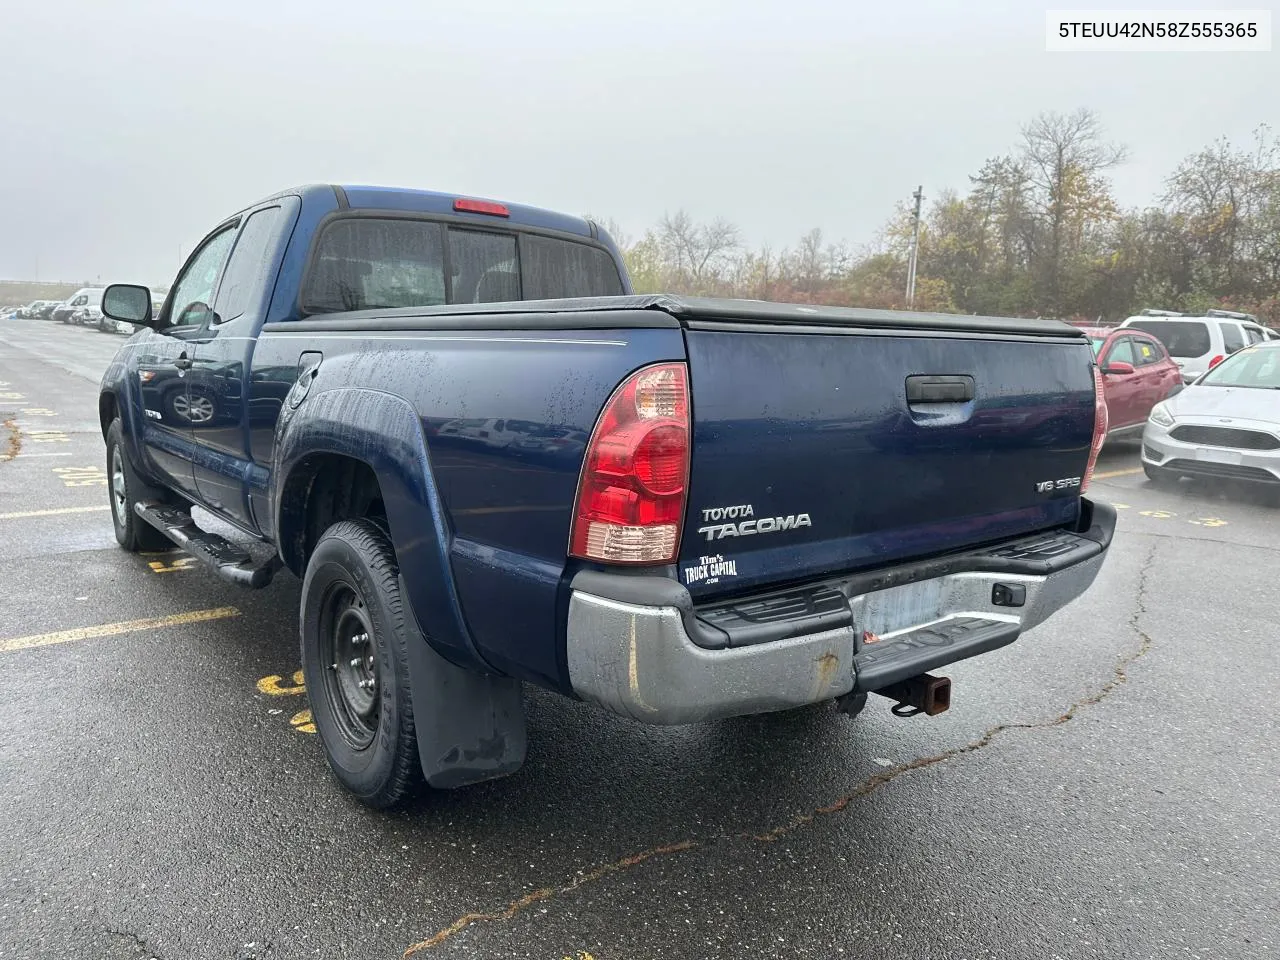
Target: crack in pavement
(1188,538)
(546,893)
(14,444)
(139,942)
(1119,677)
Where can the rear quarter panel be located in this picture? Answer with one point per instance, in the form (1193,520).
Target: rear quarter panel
(503,507)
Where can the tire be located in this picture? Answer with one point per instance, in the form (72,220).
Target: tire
(125,488)
(363,711)
(1158,475)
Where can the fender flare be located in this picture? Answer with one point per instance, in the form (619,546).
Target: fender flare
(383,431)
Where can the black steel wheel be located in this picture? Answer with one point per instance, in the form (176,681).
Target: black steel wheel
(355,662)
(351,680)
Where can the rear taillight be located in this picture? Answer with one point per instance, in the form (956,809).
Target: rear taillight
(1216,360)
(1099,427)
(632,491)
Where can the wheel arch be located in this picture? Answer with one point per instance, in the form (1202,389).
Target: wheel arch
(378,437)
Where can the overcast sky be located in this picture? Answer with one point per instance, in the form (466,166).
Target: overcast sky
(129,128)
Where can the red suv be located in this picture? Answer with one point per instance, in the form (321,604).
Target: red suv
(1137,373)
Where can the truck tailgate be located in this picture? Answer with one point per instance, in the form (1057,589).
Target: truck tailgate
(820,450)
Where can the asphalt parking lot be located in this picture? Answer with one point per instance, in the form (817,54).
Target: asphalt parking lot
(1105,787)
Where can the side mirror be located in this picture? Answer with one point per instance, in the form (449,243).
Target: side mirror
(128,302)
(1118,367)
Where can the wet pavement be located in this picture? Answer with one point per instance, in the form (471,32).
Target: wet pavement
(1105,787)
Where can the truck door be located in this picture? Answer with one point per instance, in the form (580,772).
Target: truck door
(218,384)
(165,359)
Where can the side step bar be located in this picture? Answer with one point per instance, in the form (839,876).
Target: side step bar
(228,561)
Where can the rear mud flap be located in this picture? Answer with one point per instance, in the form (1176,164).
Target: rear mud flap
(470,726)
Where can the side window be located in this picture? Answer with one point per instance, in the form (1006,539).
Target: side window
(1231,337)
(484,267)
(190,302)
(248,265)
(1147,351)
(1121,352)
(1254,334)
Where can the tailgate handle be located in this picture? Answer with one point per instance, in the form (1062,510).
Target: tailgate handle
(931,388)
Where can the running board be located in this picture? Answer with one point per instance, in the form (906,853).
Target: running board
(231,563)
(880,663)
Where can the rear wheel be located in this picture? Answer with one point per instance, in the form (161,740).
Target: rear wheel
(355,661)
(126,488)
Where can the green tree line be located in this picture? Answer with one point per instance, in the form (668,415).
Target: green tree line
(1037,232)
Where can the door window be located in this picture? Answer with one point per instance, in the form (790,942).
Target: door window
(1232,340)
(1254,334)
(190,303)
(1122,352)
(1147,351)
(248,266)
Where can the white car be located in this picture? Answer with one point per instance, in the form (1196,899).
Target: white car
(1198,343)
(1225,425)
(488,432)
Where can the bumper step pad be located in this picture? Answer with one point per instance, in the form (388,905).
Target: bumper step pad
(879,663)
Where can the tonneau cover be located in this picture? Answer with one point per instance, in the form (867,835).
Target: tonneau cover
(712,310)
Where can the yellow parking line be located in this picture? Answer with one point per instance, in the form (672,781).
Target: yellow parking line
(113,629)
(24,514)
(1117,473)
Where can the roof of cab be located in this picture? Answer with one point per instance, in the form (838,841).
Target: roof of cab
(432,201)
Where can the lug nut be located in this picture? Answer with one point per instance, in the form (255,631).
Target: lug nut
(366,684)
(355,661)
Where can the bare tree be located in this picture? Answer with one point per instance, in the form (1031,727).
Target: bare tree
(1065,155)
(699,253)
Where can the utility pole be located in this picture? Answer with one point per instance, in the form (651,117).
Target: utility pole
(913,254)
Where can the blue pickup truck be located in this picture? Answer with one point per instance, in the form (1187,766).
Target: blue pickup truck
(491,464)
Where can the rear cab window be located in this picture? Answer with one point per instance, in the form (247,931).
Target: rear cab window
(1182,338)
(369,263)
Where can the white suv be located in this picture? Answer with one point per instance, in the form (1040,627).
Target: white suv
(1197,343)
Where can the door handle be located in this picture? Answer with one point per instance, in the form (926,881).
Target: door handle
(308,370)
(929,388)
(183,362)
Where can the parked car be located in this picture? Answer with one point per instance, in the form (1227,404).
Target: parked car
(491,432)
(24,313)
(1226,425)
(1137,373)
(46,311)
(84,297)
(709,552)
(1199,343)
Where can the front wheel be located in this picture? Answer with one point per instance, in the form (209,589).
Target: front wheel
(1158,474)
(355,661)
(126,488)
